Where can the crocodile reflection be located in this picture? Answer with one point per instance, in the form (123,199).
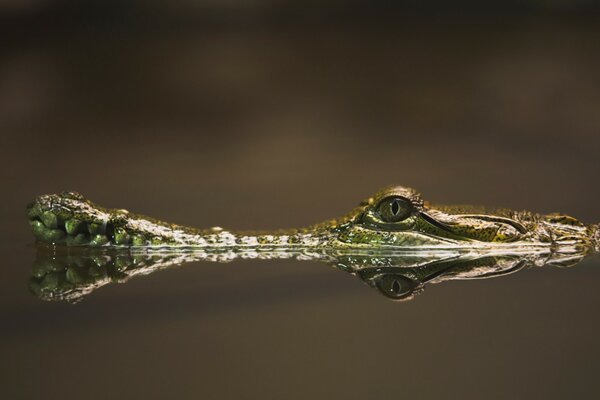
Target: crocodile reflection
(69,274)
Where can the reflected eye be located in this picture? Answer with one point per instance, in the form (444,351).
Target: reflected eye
(395,209)
(395,286)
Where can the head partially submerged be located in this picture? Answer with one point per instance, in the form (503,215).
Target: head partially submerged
(394,218)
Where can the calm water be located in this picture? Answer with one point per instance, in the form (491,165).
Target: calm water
(241,328)
(265,127)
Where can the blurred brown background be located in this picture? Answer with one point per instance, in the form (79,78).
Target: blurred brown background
(270,114)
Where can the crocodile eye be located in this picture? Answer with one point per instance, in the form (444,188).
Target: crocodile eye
(395,209)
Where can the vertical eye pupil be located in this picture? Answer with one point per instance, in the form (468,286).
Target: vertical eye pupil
(395,207)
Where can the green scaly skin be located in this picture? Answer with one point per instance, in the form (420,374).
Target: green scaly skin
(395,218)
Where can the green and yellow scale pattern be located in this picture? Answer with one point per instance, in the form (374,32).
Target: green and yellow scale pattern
(394,218)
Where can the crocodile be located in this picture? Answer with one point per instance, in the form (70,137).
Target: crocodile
(395,218)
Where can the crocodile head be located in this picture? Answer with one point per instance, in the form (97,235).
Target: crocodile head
(398,217)
(393,218)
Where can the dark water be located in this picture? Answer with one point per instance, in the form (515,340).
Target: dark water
(267,125)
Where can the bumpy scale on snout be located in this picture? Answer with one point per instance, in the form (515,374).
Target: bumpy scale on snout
(394,218)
